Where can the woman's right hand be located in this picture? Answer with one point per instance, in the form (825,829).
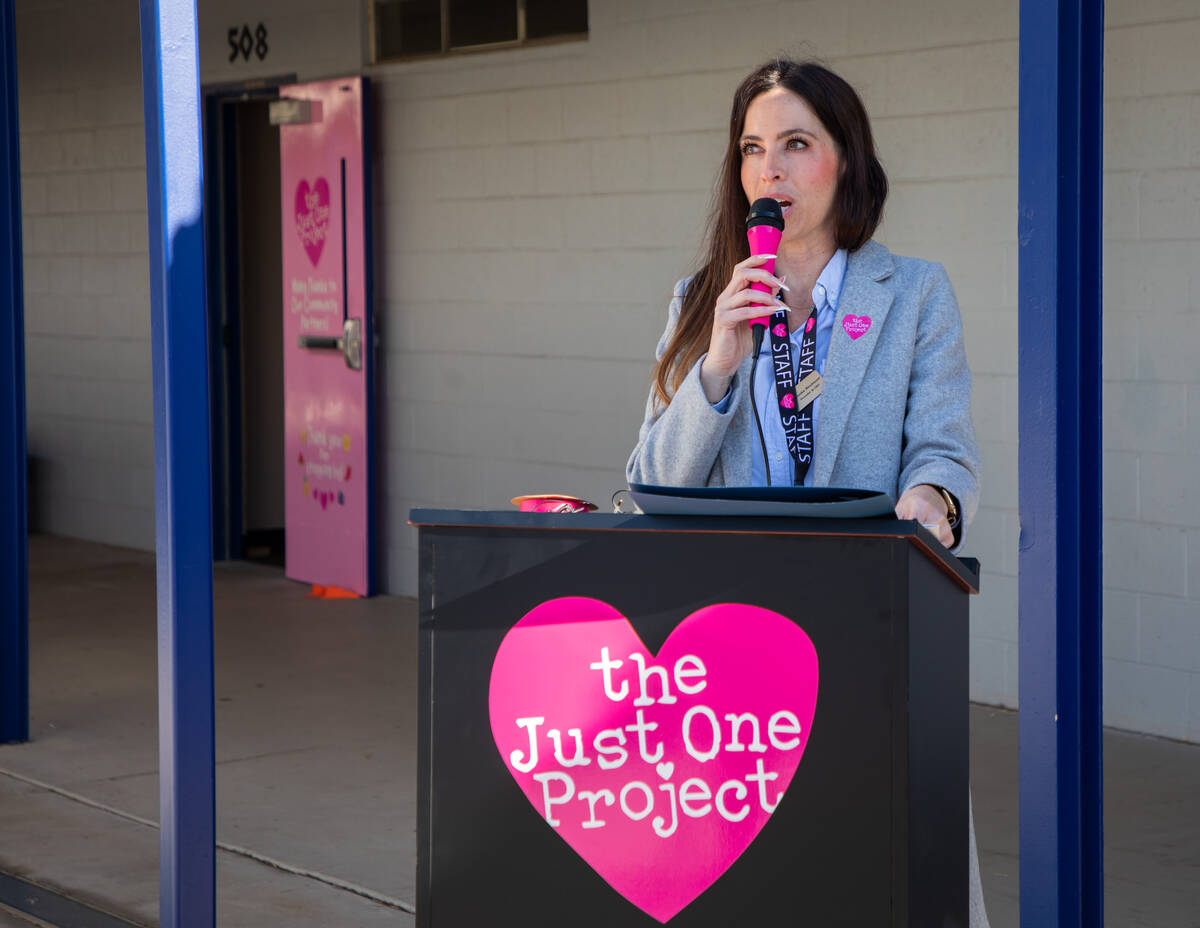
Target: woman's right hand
(730,341)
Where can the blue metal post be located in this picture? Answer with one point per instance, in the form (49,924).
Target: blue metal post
(14,527)
(1060,194)
(179,335)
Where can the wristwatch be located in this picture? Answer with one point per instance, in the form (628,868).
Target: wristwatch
(951,507)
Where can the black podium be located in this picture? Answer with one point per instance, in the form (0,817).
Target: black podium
(872,829)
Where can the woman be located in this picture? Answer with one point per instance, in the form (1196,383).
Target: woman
(893,412)
(892,404)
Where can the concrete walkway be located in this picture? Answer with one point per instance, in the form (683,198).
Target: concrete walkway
(316,761)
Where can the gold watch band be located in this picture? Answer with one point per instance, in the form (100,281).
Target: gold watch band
(951,507)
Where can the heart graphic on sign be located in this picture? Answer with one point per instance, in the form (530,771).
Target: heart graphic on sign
(856,326)
(659,770)
(312,216)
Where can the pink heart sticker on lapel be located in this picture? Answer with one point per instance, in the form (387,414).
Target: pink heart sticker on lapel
(659,770)
(856,326)
(312,216)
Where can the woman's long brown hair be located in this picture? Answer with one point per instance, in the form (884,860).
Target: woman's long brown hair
(858,202)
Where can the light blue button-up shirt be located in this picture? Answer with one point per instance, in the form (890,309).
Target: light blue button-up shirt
(825,296)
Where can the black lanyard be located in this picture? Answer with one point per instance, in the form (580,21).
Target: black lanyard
(797,423)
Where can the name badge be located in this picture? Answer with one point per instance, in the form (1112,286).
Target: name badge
(809,389)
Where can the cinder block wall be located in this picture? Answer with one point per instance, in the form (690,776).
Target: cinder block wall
(533,209)
(87,314)
(538,206)
(308,38)
(83,189)
(1152,368)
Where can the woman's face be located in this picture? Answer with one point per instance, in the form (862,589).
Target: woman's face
(787,154)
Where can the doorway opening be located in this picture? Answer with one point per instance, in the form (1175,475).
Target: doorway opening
(245,302)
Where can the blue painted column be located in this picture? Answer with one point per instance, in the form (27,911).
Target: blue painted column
(183,521)
(14,527)
(1060,197)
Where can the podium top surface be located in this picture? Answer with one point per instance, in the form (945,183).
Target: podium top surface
(964,571)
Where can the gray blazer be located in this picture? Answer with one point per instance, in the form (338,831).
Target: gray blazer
(896,407)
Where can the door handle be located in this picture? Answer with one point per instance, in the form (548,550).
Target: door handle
(349,343)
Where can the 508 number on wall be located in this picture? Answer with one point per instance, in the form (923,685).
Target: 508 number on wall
(246,43)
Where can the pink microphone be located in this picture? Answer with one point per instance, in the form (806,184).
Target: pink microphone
(764,227)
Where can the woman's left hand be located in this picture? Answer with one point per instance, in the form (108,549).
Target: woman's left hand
(925,504)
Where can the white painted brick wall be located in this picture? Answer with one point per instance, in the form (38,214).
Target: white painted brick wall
(621,158)
(535,206)
(83,177)
(1152,457)
(625,146)
(88,375)
(312,39)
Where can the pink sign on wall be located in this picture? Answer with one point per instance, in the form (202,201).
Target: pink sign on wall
(328,364)
(659,770)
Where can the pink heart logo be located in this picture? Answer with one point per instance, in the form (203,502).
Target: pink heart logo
(312,216)
(787,401)
(856,326)
(811,322)
(780,330)
(658,770)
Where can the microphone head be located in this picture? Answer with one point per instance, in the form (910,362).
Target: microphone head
(765,211)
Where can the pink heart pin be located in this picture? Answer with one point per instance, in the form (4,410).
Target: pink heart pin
(719,717)
(856,326)
(312,216)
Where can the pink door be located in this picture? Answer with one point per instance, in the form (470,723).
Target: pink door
(328,364)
